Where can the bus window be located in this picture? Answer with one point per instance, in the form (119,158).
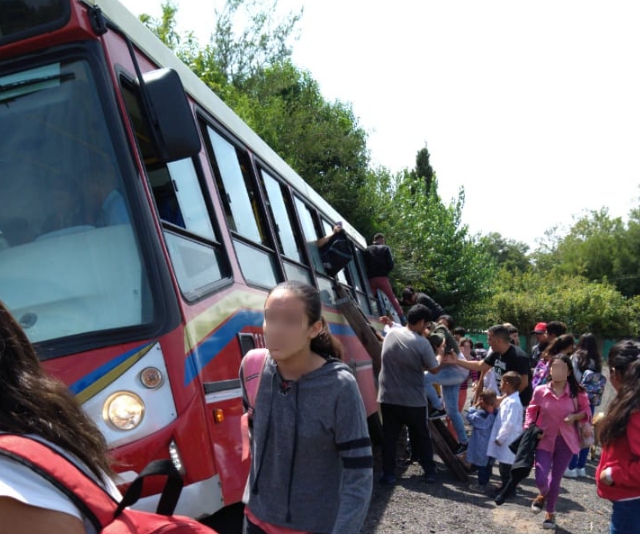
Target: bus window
(196,264)
(358,282)
(238,194)
(310,234)
(284,222)
(73,263)
(196,254)
(282,218)
(179,198)
(242,203)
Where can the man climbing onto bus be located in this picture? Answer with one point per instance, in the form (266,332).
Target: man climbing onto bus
(379,263)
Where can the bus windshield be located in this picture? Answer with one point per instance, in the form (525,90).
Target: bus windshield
(23,18)
(70,262)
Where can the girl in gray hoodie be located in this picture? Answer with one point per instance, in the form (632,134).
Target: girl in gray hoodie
(311,461)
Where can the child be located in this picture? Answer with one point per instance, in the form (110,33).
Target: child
(311,463)
(507,426)
(618,475)
(481,419)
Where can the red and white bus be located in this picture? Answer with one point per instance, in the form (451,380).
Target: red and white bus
(142,224)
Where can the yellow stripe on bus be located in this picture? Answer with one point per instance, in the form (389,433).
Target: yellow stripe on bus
(199,328)
(95,388)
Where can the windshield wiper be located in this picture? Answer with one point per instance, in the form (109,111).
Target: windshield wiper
(34,81)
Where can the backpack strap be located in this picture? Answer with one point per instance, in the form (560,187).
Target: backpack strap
(252,369)
(87,495)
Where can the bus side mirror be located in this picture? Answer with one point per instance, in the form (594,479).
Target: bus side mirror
(174,128)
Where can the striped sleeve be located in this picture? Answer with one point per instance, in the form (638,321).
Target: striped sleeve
(354,447)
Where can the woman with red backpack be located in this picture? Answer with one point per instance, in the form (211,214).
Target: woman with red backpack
(36,405)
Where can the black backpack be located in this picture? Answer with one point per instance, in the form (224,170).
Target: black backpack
(336,253)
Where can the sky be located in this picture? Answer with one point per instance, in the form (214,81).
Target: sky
(532,107)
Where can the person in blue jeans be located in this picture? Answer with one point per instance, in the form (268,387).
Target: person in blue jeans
(449,379)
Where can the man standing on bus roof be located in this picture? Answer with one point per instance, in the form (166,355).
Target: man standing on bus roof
(379,263)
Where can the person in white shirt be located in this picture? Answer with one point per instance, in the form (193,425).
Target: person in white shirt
(507,426)
(39,406)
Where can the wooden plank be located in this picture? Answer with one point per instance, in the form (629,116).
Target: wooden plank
(361,326)
(446,454)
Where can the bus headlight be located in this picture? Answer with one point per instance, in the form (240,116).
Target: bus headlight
(151,377)
(123,410)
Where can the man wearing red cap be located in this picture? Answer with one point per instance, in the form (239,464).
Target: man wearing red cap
(540,332)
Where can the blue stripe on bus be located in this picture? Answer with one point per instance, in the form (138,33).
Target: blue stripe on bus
(98,373)
(341,329)
(202,356)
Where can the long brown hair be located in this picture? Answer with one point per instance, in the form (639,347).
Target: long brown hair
(559,344)
(586,352)
(324,343)
(624,361)
(32,402)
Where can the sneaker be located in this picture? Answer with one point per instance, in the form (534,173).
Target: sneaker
(430,478)
(571,473)
(462,447)
(437,414)
(479,488)
(582,472)
(538,503)
(549,521)
(387,480)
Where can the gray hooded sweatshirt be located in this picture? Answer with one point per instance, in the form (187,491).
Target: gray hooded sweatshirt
(311,460)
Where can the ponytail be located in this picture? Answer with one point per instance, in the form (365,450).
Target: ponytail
(325,343)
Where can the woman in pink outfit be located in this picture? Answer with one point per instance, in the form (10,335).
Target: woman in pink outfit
(556,407)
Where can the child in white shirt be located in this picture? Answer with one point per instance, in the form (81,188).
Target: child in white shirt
(507,426)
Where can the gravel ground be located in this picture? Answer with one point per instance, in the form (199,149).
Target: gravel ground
(449,507)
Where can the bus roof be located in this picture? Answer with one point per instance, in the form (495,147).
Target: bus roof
(146,41)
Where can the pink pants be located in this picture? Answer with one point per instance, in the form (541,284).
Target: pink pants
(550,466)
(382,283)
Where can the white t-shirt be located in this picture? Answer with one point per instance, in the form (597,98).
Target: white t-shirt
(19,482)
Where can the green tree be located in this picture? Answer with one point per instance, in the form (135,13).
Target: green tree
(525,298)
(423,168)
(250,36)
(247,38)
(602,248)
(165,26)
(433,250)
(507,253)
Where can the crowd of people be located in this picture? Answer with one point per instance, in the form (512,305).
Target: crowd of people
(555,391)
(550,394)
(311,464)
